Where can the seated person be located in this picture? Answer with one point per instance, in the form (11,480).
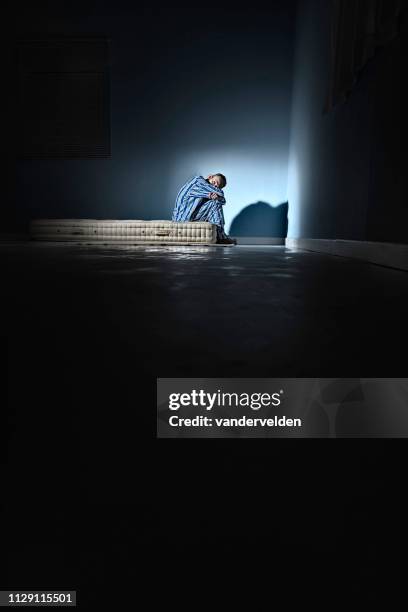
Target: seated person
(202,199)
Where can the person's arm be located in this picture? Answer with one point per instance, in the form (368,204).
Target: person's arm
(202,189)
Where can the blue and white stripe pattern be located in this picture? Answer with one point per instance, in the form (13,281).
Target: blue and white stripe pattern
(193,203)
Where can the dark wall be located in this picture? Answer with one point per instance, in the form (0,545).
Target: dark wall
(348,177)
(193,90)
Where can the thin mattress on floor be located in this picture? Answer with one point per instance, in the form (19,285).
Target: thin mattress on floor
(130,230)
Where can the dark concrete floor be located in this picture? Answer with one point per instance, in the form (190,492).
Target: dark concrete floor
(88,330)
(243,311)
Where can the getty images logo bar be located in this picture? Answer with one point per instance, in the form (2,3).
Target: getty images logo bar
(282,407)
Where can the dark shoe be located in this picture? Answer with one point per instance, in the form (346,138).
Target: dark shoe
(227,241)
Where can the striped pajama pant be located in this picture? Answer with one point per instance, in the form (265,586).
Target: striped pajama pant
(212,212)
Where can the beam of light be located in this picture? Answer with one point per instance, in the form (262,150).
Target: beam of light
(252,175)
(294,214)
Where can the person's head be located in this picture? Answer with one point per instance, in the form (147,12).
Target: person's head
(218,180)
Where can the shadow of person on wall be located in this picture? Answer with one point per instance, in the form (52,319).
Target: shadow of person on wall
(261,220)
